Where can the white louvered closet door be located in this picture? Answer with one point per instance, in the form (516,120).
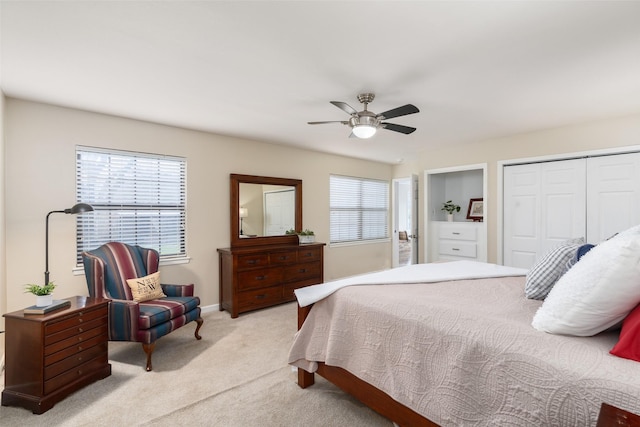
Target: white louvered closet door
(544,204)
(613,195)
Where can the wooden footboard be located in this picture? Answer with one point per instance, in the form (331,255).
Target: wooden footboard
(371,396)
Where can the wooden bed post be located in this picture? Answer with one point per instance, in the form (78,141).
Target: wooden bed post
(305,379)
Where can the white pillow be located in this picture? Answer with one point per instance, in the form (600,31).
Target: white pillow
(597,292)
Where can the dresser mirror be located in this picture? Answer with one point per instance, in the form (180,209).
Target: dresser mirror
(263,209)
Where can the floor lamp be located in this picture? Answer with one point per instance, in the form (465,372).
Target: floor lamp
(77,209)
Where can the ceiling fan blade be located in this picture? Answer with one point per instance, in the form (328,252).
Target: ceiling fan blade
(398,128)
(321,123)
(400,111)
(344,107)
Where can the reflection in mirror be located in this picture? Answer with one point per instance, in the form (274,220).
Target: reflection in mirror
(266,210)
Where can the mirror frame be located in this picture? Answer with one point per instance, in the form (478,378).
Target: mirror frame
(235,180)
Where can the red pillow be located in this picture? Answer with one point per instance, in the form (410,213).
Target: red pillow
(628,345)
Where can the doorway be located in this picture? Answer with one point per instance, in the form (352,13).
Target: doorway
(405,221)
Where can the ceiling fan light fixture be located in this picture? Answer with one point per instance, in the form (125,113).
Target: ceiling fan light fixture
(364,131)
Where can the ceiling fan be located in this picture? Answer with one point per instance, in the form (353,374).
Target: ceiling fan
(364,124)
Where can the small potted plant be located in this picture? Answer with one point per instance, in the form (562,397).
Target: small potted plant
(450,207)
(43,294)
(304,236)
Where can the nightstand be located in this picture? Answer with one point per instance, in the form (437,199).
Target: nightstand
(49,356)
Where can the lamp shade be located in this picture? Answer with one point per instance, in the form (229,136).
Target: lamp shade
(79,208)
(244,212)
(364,131)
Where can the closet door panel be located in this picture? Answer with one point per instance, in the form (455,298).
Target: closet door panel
(613,195)
(521,214)
(544,205)
(563,206)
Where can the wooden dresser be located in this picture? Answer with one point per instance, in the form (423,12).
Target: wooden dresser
(255,277)
(49,356)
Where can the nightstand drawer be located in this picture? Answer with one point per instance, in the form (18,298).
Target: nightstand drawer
(101,330)
(75,330)
(462,249)
(457,233)
(74,374)
(75,319)
(74,361)
(75,349)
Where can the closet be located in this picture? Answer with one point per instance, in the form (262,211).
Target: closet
(545,203)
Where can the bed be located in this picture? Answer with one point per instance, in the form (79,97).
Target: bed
(457,351)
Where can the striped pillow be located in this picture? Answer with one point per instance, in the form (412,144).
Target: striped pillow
(548,269)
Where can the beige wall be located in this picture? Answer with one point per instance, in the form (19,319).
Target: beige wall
(40,176)
(3,270)
(592,136)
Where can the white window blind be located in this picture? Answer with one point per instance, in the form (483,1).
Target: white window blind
(359,209)
(138,198)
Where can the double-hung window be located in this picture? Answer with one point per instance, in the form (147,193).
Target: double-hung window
(359,209)
(138,199)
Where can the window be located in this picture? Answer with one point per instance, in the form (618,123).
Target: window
(359,209)
(139,199)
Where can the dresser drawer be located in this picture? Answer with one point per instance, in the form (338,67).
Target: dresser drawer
(102,330)
(309,254)
(75,374)
(302,271)
(463,249)
(74,360)
(258,298)
(458,233)
(276,258)
(260,278)
(253,260)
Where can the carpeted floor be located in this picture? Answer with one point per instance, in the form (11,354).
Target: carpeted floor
(236,375)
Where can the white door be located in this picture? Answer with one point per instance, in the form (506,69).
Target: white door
(405,221)
(613,195)
(544,204)
(278,212)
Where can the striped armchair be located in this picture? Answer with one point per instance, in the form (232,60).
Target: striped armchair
(107,270)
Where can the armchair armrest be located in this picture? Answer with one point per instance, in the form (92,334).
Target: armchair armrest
(178,290)
(123,320)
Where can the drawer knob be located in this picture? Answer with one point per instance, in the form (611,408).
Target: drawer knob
(79,338)
(80,320)
(261,296)
(80,330)
(251,261)
(259,277)
(80,359)
(282,258)
(79,348)
(303,270)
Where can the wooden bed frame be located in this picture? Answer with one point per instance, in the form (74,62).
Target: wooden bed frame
(371,396)
(404,416)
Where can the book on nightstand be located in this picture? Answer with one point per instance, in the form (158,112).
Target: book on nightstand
(56,305)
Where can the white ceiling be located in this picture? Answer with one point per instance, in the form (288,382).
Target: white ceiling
(262,69)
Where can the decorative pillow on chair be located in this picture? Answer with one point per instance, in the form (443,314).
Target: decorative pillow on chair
(628,345)
(548,269)
(596,293)
(146,288)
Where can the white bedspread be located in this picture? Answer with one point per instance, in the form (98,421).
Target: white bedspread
(416,273)
(464,353)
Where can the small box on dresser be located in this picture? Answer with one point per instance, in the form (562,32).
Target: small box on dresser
(262,276)
(52,355)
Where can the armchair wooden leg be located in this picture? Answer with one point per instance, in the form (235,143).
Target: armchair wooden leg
(199,321)
(148,348)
